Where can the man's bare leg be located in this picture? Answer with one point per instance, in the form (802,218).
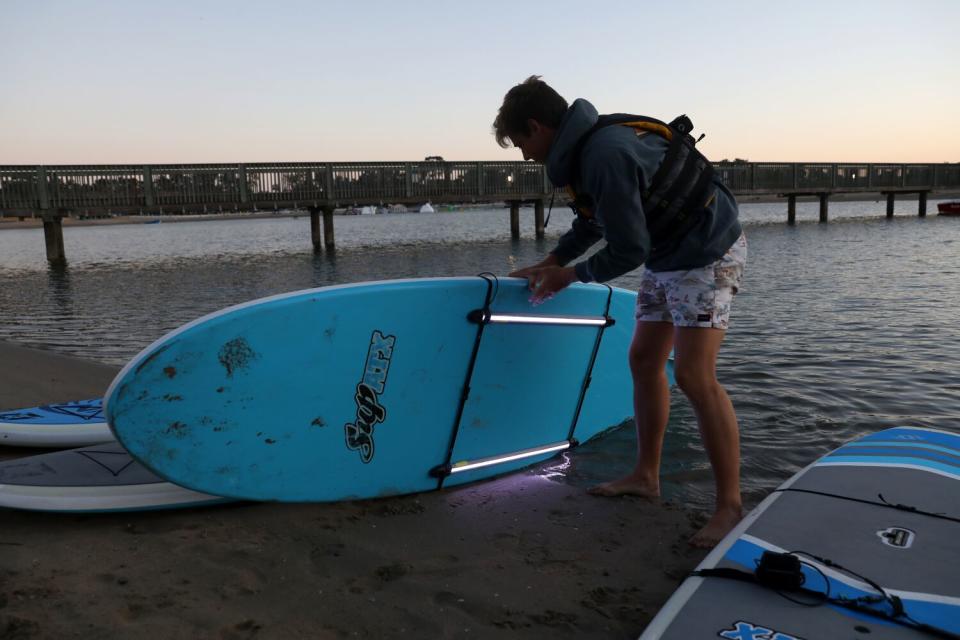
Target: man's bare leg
(695,360)
(649,352)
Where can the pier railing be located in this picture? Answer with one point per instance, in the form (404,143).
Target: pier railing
(241,186)
(150,188)
(54,192)
(781,178)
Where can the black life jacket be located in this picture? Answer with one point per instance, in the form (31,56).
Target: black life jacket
(679,192)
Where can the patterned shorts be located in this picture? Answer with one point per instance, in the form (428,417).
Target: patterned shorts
(695,298)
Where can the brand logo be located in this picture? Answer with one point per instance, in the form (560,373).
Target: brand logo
(359,434)
(897,537)
(748,631)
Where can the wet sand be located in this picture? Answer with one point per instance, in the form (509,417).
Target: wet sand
(516,557)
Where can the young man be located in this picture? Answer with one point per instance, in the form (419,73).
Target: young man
(693,254)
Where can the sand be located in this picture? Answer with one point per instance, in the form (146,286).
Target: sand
(521,556)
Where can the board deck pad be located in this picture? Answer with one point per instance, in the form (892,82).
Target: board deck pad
(831,511)
(884,466)
(67,424)
(99,478)
(356,391)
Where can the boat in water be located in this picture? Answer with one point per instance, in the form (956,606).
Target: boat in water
(949,208)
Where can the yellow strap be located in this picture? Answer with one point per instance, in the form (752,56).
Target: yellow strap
(659,129)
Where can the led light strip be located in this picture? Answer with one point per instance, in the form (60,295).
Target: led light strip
(486,317)
(467,465)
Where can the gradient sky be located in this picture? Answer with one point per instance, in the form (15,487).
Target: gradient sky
(111,82)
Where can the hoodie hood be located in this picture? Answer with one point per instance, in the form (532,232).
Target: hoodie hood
(577,121)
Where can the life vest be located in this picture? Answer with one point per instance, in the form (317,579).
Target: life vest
(679,192)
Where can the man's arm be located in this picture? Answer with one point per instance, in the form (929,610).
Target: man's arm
(582,235)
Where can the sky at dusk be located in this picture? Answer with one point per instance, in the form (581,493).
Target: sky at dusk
(111,82)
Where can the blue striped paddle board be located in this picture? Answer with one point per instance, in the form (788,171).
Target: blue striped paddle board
(863,543)
(376,389)
(67,424)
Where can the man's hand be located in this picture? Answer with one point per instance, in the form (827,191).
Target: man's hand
(550,261)
(544,282)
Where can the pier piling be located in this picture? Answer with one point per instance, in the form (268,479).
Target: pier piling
(538,217)
(824,199)
(315,228)
(53,235)
(515,219)
(328,241)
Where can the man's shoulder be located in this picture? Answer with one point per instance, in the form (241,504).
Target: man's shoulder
(616,141)
(616,149)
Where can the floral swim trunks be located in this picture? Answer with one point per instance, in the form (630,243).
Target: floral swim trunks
(697,297)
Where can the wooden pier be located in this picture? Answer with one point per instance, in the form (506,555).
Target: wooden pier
(54,192)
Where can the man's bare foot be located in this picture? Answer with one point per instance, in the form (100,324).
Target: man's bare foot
(629,486)
(719,525)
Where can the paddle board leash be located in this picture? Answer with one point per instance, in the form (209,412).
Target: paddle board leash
(588,377)
(881,503)
(783,573)
(550,209)
(441,472)
(484,316)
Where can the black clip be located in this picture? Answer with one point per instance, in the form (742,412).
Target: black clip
(780,571)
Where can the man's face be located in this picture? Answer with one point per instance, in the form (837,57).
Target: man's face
(534,145)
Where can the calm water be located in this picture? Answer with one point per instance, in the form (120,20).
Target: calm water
(841,329)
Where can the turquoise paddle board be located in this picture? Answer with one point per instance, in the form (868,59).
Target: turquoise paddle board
(67,424)
(376,389)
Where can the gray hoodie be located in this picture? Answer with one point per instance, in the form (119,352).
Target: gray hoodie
(614,162)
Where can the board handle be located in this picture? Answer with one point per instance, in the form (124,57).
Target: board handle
(445,470)
(486,316)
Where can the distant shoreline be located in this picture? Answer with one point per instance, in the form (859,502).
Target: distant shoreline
(13,222)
